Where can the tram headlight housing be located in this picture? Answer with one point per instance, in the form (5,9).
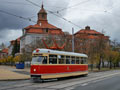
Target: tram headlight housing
(34,70)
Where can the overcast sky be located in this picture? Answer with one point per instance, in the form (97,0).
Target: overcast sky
(98,14)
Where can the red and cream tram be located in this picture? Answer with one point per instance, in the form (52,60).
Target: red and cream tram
(48,64)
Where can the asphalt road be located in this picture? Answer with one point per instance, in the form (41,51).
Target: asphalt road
(109,80)
(106,84)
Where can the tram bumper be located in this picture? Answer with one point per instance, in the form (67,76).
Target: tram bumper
(36,77)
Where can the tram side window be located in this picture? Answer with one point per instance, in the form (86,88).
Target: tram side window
(67,59)
(44,60)
(61,59)
(82,60)
(72,60)
(85,60)
(52,59)
(77,60)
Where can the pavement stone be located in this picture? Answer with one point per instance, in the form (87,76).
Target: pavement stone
(8,73)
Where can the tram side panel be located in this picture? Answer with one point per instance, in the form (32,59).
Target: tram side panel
(69,70)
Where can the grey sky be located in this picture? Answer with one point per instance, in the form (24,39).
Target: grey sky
(99,14)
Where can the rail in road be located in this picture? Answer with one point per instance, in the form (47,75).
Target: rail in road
(67,84)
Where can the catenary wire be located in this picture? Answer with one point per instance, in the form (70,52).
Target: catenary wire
(73,6)
(2,11)
(55,14)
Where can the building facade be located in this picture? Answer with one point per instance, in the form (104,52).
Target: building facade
(87,38)
(33,34)
(4,53)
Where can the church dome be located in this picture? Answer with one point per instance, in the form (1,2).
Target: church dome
(42,10)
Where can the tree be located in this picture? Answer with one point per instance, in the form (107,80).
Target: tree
(16,48)
(10,59)
(19,58)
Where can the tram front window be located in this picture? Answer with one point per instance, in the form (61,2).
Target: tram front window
(37,60)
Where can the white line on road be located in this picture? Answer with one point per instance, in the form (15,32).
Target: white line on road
(80,82)
(84,84)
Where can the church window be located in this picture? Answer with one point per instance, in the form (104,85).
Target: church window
(46,30)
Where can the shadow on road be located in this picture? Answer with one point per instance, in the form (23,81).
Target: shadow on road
(58,79)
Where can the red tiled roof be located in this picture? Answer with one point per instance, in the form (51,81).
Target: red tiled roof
(87,36)
(18,39)
(87,32)
(90,34)
(43,25)
(13,41)
(92,37)
(5,50)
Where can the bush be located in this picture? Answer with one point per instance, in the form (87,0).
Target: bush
(18,58)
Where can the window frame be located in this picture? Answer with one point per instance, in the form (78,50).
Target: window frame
(52,59)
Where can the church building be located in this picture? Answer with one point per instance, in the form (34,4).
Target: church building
(42,29)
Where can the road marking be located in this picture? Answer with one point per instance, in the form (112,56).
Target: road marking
(45,89)
(69,88)
(84,84)
(80,82)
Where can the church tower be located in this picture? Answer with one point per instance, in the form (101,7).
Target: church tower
(42,16)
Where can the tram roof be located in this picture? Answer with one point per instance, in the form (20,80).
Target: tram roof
(59,52)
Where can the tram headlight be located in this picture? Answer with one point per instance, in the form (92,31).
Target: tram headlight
(34,70)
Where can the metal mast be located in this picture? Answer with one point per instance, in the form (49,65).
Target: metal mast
(72,39)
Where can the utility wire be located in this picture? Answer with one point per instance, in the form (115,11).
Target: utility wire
(2,11)
(73,6)
(20,3)
(64,19)
(33,3)
(10,2)
(55,14)
(113,14)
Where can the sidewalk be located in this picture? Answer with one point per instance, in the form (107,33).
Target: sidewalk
(11,73)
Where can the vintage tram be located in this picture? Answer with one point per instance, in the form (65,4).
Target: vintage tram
(49,64)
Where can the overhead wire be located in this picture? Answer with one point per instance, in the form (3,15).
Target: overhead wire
(64,19)
(33,3)
(55,14)
(21,17)
(10,2)
(73,6)
(20,3)
(113,14)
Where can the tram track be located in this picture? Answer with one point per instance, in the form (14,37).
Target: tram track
(63,84)
(56,86)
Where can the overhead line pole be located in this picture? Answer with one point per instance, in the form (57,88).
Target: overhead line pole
(73,40)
